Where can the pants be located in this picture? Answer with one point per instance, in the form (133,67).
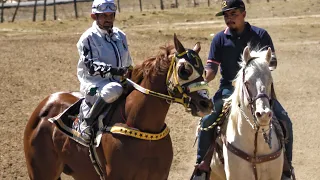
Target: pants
(205,137)
(109,92)
(282,115)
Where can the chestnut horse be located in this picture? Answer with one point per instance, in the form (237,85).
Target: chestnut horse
(163,79)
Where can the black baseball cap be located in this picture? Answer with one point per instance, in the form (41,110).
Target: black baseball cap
(227,5)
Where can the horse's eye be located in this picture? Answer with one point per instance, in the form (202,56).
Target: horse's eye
(185,71)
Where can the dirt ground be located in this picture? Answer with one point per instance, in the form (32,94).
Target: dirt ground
(40,58)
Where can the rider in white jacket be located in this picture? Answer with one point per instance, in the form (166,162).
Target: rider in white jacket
(104,57)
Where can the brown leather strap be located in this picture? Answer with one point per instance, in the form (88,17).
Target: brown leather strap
(258,159)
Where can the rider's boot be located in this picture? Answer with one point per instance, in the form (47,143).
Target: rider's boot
(95,111)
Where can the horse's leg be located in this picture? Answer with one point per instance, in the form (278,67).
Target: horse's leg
(41,157)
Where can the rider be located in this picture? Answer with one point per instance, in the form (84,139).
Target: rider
(104,58)
(225,51)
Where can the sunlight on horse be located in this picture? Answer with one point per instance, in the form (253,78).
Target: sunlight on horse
(251,149)
(165,78)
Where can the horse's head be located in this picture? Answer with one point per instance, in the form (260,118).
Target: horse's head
(253,86)
(185,80)
(257,81)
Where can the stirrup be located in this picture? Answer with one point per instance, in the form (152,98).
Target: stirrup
(289,174)
(87,134)
(293,176)
(201,172)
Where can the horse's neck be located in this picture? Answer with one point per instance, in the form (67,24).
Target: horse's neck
(147,112)
(242,135)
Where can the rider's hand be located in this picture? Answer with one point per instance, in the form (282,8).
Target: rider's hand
(128,72)
(209,75)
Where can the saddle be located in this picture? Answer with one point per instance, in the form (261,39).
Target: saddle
(69,120)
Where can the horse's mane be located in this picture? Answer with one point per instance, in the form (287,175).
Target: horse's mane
(154,65)
(257,64)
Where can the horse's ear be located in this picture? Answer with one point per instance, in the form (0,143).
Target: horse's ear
(197,47)
(246,54)
(177,44)
(268,56)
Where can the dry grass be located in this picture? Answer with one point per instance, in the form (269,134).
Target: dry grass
(40,58)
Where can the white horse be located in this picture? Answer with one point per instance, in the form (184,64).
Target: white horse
(251,149)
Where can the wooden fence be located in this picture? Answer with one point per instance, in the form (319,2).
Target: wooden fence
(161,4)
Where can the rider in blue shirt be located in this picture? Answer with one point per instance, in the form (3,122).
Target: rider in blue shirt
(225,51)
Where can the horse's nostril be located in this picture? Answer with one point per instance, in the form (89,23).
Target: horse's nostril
(265,114)
(258,114)
(204,104)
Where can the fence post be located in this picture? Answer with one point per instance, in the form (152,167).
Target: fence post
(140,5)
(54,10)
(119,5)
(15,12)
(44,10)
(208,3)
(35,10)
(177,4)
(75,8)
(2,9)
(194,3)
(161,5)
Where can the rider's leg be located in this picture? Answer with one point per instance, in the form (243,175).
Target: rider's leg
(106,95)
(205,137)
(282,115)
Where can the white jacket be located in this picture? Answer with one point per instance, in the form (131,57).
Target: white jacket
(97,45)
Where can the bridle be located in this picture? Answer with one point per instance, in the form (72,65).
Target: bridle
(176,92)
(175,87)
(251,100)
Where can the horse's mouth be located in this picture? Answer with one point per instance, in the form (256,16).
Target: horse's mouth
(201,107)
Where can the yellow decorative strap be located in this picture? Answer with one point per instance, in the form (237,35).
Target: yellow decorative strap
(170,68)
(183,53)
(156,94)
(139,134)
